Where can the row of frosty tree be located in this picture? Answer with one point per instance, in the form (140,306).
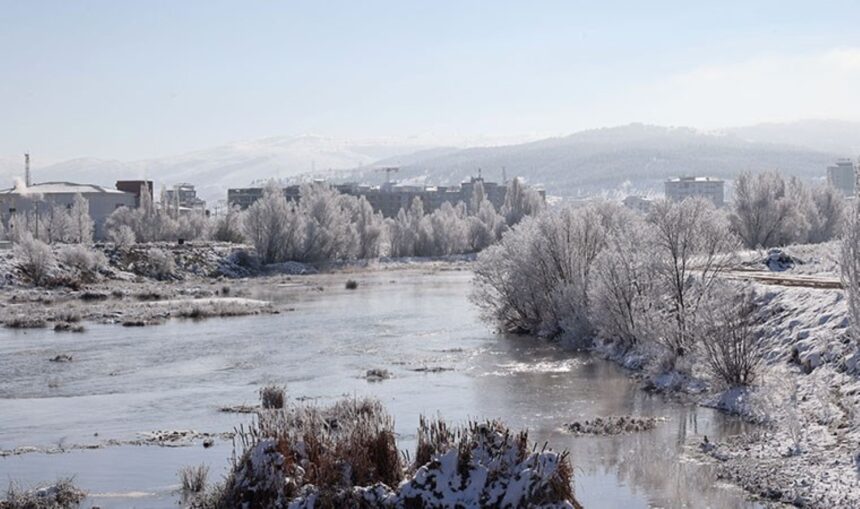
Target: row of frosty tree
(654,282)
(322,225)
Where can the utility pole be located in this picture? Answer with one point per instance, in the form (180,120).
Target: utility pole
(27,169)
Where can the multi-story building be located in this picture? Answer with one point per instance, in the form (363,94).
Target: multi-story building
(842,176)
(184,196)
(389,199)
(677,189)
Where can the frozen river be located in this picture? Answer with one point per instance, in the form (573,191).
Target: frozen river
(125,381)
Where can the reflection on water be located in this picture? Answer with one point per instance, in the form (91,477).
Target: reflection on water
(176,376)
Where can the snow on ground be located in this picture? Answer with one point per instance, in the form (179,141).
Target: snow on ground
(805,452)
(819,259)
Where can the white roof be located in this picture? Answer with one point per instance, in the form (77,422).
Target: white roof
(62,188)
(694,179)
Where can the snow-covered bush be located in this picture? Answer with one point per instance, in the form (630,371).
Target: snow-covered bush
(158,264)
(731,344)
(122,236)
(35,258)
(87,262)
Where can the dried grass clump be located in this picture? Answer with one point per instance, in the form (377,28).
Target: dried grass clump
(273,396)
(346,455)
(193,479)
(25,322)
(61,495)
(216,309)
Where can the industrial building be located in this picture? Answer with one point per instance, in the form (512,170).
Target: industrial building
(136,188)
(389,198)
(677,189)
(40,198)
(184,197)
(842,176)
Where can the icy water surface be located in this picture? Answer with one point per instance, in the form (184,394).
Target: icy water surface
(124,381)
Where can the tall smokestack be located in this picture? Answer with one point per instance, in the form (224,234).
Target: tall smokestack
(27,169)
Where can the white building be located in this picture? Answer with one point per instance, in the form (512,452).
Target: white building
(842,176)
(707,187)
(39,198)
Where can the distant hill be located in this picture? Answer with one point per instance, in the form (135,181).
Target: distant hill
(605,158)
(835,136)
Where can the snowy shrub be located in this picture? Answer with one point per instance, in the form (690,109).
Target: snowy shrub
(731,344)
(35,259)
(122,236)
(88,262)
(159,264)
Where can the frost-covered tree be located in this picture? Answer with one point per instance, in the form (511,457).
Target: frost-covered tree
(270,224)
(193,225)
(850,267)
(536,279)
(80,223)
(520,201)
(624,291)
(369,228)
(766,212)
(693,245)
(829,212)
(229,227)
(327,230)
(731,345)
(403,229)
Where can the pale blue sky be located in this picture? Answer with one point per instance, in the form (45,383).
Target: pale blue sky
(135,79)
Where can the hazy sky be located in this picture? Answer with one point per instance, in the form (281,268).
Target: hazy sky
(135,79)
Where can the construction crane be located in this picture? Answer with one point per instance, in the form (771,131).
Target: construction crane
(388,171)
